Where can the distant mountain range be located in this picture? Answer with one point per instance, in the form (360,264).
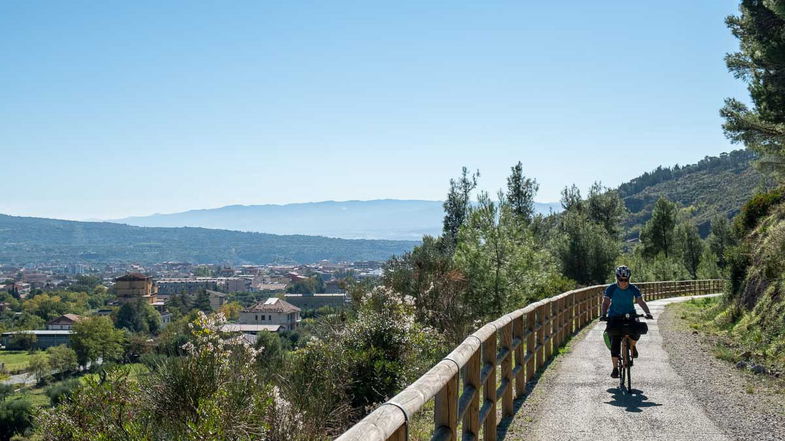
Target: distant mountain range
(389,219)
(33,240)
(715,186)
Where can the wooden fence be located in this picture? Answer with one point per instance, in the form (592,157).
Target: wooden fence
(506,352)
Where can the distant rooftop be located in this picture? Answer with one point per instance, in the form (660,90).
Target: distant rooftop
(41,332)
(132,277)
(273,304)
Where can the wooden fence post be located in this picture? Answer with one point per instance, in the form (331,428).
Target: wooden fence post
(540,348)
(507,378)
(520,375)
(445,411)
(548,326)
(489,361)
(472,381)
(531,343)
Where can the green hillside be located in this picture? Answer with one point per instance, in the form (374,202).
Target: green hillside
(27,240)
(714,186)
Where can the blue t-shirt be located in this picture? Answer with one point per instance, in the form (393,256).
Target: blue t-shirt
(622,300)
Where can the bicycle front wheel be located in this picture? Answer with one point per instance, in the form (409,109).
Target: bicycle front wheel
(628,366)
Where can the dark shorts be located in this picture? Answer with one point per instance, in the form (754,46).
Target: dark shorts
(616,329)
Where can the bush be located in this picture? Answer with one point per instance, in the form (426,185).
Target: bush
(755,209)
(16,418)
(62,390)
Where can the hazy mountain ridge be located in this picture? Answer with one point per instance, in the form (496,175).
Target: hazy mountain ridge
(27,240)
(390,219)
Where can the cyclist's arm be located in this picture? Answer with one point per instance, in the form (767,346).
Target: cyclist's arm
(606,302)
(643,305)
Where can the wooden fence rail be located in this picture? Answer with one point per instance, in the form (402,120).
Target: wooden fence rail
(507,352)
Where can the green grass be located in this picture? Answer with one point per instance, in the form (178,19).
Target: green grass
(36,396)
(135,370)
(15,361)
(730,341)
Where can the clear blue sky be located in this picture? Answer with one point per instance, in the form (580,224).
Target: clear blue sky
(116,108)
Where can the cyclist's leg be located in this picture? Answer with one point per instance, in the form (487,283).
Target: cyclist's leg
(615,350)
(634,341)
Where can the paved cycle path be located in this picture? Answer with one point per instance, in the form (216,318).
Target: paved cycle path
(580,401)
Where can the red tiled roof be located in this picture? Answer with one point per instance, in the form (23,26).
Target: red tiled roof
(65,318)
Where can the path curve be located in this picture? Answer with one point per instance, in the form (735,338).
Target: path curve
(581,402)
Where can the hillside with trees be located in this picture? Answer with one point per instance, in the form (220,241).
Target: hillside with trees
(752,315)
(28,239)
(715,186)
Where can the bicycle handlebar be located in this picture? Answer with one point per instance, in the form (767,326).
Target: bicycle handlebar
(623,317)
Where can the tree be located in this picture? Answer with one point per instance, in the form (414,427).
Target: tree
(571,199)
(139,316)
(62,359)
(96,338)
(520,193)
(658,233)
(179,305)
(456,207)
(761,32)
(202,302)
(504,266)
(39,366)
(428,275)
(720,239)
(231,310)
(586,249)
(692,247)
(271,353)
(310,285)
(605,207)
(24,340)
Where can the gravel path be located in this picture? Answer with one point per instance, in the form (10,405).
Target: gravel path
(745,406)
(575,399)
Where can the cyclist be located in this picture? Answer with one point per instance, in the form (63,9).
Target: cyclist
(620,299)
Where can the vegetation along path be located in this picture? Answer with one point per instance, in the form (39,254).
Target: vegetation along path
(578,400)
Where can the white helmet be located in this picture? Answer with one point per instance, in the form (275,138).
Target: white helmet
(623,272)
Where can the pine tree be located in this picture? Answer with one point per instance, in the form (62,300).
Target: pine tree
(520,193)
(720,239)
(456,207)
(571,199)
(605,207)
(658,235)
(760,29)
(692,248)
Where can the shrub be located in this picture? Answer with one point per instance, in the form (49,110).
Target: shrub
(62,390)
(756,208)
(16,418)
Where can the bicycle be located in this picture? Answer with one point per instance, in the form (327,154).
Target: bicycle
(624,363)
